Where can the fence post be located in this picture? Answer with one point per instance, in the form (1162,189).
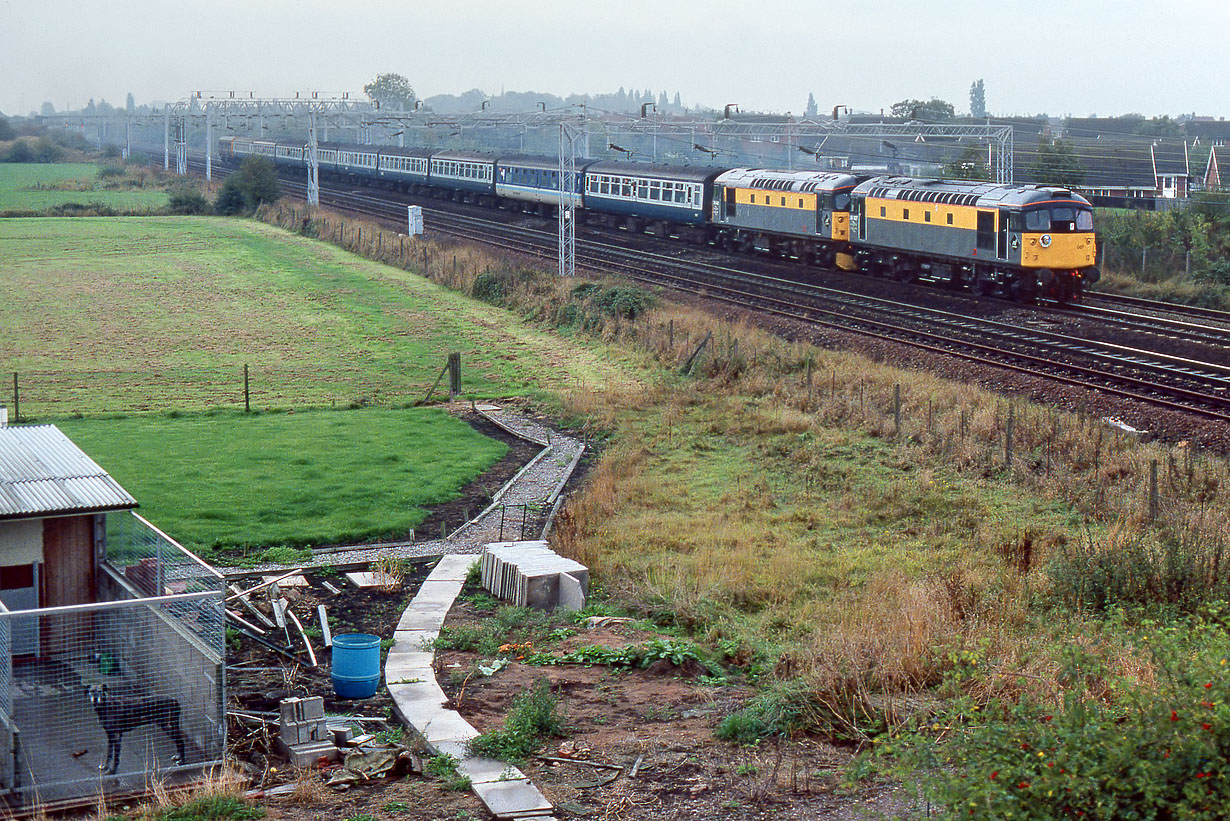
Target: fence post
(1153,490)
(897,409)
(424,261)
(670,332)
(1008,439)
(247,397)
(16,399)
(454,375)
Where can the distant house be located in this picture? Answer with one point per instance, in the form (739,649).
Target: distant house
(1171,168)
(1219,165)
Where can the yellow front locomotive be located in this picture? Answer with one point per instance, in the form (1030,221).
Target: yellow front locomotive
(1018,241)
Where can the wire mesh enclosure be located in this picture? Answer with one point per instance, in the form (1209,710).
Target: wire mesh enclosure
(107,696)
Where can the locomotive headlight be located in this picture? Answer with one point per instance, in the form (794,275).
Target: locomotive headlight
(1046,240)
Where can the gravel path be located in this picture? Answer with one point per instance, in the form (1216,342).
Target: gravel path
(540,482)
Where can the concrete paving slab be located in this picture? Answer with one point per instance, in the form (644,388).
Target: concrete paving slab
(413,640)
(400,666)
(443,724)
(509,799)
(364,578)
(485,770)
(458,749)
(409,693)
(288,581)
(453,566)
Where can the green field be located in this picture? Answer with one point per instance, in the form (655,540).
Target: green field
(288,479)
(36,187)
(161,313)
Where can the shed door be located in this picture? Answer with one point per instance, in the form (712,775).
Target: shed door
(68,578)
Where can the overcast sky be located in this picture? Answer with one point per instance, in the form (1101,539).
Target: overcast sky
(1078,57)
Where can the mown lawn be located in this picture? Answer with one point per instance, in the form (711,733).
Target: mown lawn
(230,479)
(162,313)
(39,186)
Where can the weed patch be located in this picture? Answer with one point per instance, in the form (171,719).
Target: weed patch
(533,718)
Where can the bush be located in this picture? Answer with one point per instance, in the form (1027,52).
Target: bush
(534,717)
(1122,749)
(109,170)
(1171,572)
(255,184)
(187,199)
(20,151)
(625,301)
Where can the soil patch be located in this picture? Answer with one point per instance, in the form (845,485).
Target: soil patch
(663,717)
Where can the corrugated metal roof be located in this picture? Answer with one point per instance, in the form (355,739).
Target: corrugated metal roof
(42,472)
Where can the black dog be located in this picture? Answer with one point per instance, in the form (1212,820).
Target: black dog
(119,715)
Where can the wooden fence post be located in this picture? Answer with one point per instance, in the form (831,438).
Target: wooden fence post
(1153,490)
(897,409)
(16,399)
(454,375)
(1008,439)
(247,398)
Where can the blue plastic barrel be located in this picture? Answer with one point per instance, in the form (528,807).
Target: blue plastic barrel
(356,665)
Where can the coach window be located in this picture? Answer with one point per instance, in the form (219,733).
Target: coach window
(926,216)
(1084,220)
(905,213)
(783,200)
(883,211)
(950,219)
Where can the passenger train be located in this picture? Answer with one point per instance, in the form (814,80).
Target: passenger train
(1018,241)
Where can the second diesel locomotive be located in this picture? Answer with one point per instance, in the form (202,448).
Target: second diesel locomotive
(1018,241)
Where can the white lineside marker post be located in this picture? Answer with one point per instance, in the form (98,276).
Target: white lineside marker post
(414,220)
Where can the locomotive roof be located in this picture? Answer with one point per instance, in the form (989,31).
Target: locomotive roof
(787,180)
(962,192)
(689,173)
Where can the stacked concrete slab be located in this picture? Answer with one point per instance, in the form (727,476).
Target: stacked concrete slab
(530,574)
(303,733)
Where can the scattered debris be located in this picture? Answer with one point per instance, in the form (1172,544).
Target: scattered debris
(325,633)
(365,763)
(262,585)
(594,622)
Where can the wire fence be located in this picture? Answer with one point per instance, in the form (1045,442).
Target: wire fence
(35,394)
(111,695)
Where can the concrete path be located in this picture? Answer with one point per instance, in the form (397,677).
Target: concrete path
(419,700)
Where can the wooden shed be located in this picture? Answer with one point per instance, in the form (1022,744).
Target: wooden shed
(52,504)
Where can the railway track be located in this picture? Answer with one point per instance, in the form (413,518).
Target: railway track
(1191,385)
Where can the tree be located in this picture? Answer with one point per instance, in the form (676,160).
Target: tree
(1056,165)
(48,109)
(971,165)
(390,91)
(811,110)
(662,102)
(933,109)
(678,102)
(1158,127)
(6,130)
(254,184)
(978,99)
(130,105)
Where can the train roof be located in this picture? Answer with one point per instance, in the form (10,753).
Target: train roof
(538,161)
(398,151)
(787,180)
(689,173)
(962,192)
(465,156)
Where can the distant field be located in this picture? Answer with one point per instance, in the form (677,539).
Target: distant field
(288,479)
(37,187)
(159,313)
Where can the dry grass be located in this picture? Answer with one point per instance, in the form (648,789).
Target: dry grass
(732,501)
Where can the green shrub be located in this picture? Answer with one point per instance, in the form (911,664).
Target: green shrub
(284,555)
(1139,571)
(625,301)
(212,808)
(779,711)
(109,170)
(186,200)
(444,768)
(533,717)
(1110,748)
(488,288)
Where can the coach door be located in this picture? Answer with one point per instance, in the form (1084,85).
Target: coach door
(1001,236)
(985,239)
